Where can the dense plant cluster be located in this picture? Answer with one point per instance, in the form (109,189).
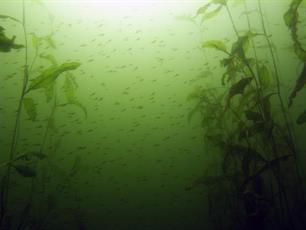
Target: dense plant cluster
(259,175)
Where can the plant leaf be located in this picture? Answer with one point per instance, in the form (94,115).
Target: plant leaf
(203,9)
(51,74)
(25,170)
(50,41)
(300,82)
(35,41)
(49,58)
(264,76)
(266,106)
(212,13)
(241,46)
(6,44)
(250,131)
(30,108)
(79,105)
(9,17)
(291,19)
(215,44)
(301,118)
(238,88)
(241,150)
(69,89)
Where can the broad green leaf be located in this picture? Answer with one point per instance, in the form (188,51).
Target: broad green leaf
(9,17)
(301,118)
(232,68)
(241,46)
(212,13)
(238,88)
(203,9)
(30,108)
(49,58)
(215,44)
(48,77)
(246,100)
(300,82)
(69,89)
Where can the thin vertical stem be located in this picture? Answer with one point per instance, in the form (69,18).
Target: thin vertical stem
(277,79)
(19,108)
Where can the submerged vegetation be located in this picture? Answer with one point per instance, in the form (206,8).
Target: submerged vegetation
(249,117)
(36,164)
(248,121)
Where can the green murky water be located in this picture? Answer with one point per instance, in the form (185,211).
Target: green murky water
(135,115)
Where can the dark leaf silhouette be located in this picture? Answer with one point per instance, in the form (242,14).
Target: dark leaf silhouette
(9,17)
(7,44)
(69,89)
(291,18)
(300,82)
(302,118)
(25,170)
(250,131)
(238,88)
(30,108)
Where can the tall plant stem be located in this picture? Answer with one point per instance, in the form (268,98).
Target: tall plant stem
(253,44)
(273,144)
(277,79)
(19,109)
(292,139)
(43,143)
(245,61)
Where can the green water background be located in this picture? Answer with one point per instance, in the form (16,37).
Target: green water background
(136,150)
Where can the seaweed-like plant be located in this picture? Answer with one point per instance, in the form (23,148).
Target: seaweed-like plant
(46,79)
(260,169)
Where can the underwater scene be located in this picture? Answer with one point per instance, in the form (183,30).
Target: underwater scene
(152,114)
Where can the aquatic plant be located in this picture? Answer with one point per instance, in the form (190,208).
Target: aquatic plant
(25,163)
(260,167)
